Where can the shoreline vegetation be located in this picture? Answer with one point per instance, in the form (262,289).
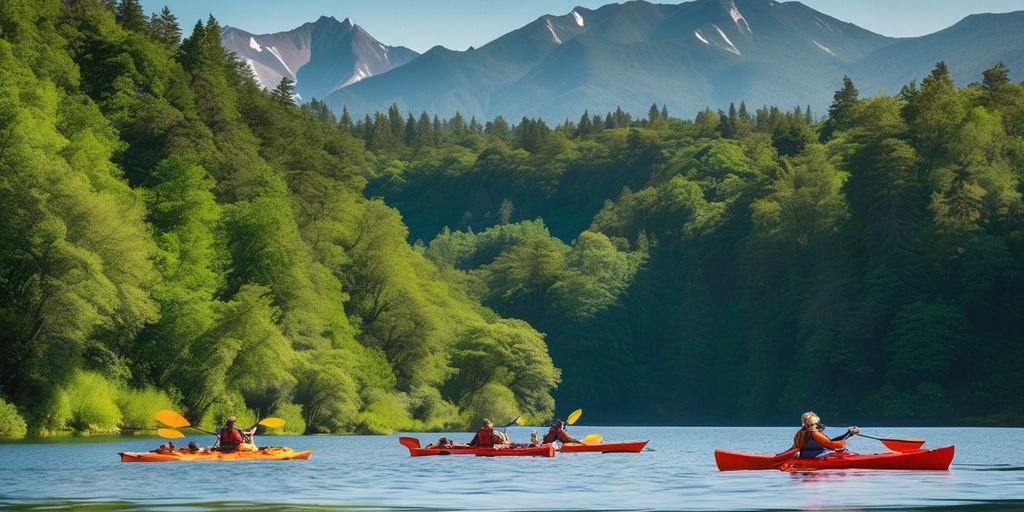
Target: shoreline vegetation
(174,236)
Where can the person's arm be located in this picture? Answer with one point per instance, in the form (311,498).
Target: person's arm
(565,437)
(849,433)
(475,440)
(832,444)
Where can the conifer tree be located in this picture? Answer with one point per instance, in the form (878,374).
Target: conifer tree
(284,92)
(164,28)
(129,14)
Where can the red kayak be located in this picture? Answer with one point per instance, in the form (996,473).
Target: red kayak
(937,459)
(507,450)
(628,447)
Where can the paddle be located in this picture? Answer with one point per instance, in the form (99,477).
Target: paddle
(409,442)
(573,416)
(592,439)
(898,445)
(169,433)
(174,420)
(518,421)
(171,419)
(784,457)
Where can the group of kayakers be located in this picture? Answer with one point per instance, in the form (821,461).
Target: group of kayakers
(488,437)
(810,441)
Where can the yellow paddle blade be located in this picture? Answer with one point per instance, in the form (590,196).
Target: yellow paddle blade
(171,419)
(520,421)
(169,433)
(575,415)
(592,439)
(272,422)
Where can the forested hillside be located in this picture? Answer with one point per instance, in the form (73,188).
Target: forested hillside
(174,236)
(750,264)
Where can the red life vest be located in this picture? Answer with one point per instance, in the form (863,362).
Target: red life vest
(230,437)
(556,434)
(485,437)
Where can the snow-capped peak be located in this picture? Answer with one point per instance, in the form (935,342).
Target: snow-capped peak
(578,17)
(254,45)
(738,19)
(554,36)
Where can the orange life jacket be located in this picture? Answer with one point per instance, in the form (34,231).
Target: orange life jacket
(230,437)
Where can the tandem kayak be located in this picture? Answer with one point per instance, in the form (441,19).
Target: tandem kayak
(413,444)
(268,453)
(627,447)
(937,459)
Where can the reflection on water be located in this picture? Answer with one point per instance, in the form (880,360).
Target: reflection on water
(376,473)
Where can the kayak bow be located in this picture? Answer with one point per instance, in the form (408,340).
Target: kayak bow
(627,447)
(938,459)
(268,453)
(413,444)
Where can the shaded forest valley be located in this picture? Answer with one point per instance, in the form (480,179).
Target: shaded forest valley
(174,236)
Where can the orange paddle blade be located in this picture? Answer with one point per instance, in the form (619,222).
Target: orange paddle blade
(169,433)
(171,419)
(409,442)
(903,445)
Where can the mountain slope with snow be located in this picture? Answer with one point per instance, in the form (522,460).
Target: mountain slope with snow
(688,56)
(321,57)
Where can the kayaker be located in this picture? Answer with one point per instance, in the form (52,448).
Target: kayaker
(534,438)
(486,437)
(557,433)
(229,438)
(444,442)
(811,441)
(193,447)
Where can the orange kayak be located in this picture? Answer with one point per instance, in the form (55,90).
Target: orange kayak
(938,459)
(511,450)
(268,453)
(628,447)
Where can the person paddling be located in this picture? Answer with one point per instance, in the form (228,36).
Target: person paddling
(486,437)
(557,433)
(812,443)
(230,438)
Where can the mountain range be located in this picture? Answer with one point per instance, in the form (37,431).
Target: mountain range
(321,57)
(686,56)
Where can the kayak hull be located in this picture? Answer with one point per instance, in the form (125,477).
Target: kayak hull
(627,447)
(544,450)
(938,459)
(215,456)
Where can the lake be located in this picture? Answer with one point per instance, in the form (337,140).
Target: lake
(376,473)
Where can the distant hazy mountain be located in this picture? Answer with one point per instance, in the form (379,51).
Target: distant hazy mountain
(690,55)
(322,56)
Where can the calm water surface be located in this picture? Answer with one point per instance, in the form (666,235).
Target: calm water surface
(374,473)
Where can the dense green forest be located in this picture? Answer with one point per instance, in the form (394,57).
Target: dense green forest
(747,265)
(175,236)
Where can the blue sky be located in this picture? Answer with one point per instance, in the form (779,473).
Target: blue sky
(458,24)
